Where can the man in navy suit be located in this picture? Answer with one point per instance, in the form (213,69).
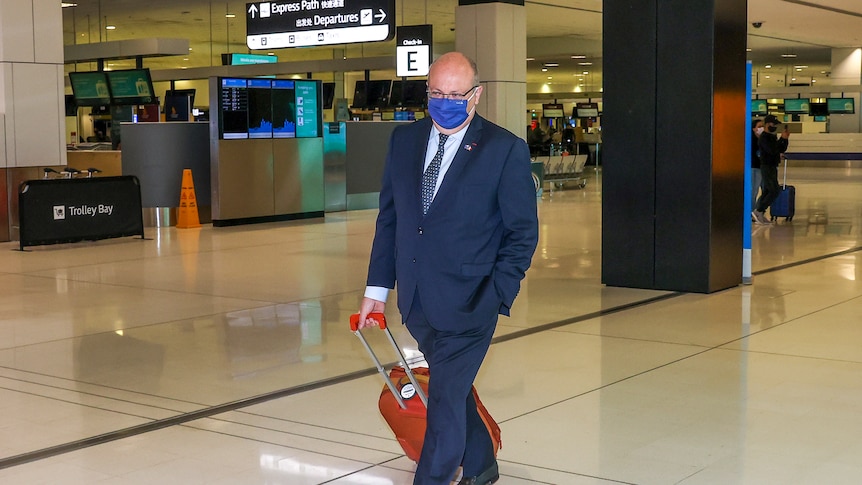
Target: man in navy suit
(457,229)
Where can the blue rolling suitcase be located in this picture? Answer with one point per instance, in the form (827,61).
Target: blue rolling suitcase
(785,205)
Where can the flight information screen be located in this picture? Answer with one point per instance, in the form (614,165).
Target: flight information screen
(234,108)
(283,109)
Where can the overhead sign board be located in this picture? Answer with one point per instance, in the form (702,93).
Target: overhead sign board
(235,59)
(303,23)
(413,50)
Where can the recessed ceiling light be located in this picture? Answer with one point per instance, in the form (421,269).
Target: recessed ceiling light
(585,63)
(229,15)
(767,77)
(110,27)
(531,58)
(68,4)
(579,57)
(748,49)
(798,69)
(768,66)
(814,80)
(544,69)
(550,77)
(789,56)
(551,64)
(586,72)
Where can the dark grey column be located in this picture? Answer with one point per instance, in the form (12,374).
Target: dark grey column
(674,143)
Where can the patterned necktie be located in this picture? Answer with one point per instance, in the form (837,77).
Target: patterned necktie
(429,178)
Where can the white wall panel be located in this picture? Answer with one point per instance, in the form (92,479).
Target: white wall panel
(36,115)
(48,31)
(7,106)
(2,142)
(16,30)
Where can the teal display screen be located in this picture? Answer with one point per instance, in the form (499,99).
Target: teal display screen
(131,86)
(797,106)
(841,105)
(308,114)
(90,88)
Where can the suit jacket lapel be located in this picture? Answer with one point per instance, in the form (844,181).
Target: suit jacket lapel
(462,157)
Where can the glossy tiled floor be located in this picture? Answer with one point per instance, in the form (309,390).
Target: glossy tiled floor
(222,356)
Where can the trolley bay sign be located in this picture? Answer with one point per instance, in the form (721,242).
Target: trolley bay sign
(303,23)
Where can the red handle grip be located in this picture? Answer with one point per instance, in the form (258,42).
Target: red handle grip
(354,320)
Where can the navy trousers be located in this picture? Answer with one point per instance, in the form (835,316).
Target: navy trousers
(455,435)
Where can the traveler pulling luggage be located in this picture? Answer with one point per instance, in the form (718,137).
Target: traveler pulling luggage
(785,204)
(403,399)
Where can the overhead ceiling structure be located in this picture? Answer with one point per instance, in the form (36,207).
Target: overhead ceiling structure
(790,41)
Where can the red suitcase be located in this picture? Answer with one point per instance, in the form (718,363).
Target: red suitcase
(402,406)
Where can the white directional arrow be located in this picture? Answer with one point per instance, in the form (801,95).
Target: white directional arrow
(252,10)
(380,16)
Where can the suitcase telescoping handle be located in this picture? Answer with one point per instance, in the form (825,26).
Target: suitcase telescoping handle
(381,319)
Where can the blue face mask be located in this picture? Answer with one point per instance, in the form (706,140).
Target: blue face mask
(449,113)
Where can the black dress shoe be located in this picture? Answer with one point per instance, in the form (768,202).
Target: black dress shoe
(487,477)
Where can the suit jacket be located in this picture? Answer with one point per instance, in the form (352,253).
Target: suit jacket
(467,256)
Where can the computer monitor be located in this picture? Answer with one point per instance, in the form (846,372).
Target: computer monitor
(283,108)
(818,109)
(190,93)
(259,108)
(71,106)
(375,96)
(131,86)
(411,93)
(309,111)
(797,106)
(90,88)
(328,95)
(233,108)
(841,106)
(759,107)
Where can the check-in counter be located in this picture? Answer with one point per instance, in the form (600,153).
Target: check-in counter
(354,156)
(824,149)
(109,162)
(266,180)
(157,154)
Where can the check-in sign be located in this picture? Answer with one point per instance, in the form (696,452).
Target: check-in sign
(303,23)
(413,50)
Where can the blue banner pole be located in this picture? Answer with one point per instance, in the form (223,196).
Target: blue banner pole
(746,216)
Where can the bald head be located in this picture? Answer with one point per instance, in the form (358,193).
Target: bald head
(453,76)
(452,62)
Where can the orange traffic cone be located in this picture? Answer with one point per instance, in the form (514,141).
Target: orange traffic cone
(188,213)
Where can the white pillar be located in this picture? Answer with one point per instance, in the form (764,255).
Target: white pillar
(494,34)
(846,71)
(31,84)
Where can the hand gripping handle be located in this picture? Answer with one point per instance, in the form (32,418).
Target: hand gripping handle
(381,320)
(354,320)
